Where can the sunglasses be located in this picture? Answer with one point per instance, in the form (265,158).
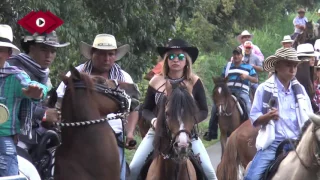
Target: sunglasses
(180,56)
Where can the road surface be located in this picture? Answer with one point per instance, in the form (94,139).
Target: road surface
(214,152)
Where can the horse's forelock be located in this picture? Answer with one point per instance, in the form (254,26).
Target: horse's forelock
(181,99)
(220,83)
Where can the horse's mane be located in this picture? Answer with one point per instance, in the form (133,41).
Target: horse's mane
(180,99)
(220,82)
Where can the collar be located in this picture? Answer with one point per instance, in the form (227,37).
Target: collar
(282,88)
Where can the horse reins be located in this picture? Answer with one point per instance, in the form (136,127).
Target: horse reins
(115,94)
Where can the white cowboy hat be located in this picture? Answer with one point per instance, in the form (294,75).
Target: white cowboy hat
(6,38)
(287,39)
(288,54)
(104,42)
(305,50)
(317,45)
(318,11)
(244,33)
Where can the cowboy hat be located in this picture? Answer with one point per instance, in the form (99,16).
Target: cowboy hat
(305,50)
(287,39)
(318,11)
(179,44)
(288,54)
(301,10)
(50,39)
(244,33)
(6,38)
(104,42)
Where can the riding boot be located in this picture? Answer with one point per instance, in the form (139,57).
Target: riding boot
(213,126)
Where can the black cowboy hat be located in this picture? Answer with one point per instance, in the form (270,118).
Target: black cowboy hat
(179,44)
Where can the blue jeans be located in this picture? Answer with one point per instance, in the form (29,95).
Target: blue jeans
(261,162)
(122,160)
(246,98)
(8,157)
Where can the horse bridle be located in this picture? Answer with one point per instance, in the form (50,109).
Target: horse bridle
(116,94)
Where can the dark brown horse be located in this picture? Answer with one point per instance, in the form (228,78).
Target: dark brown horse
(227,110)
(308,36)
(89,148)
(239,151)
(172,143)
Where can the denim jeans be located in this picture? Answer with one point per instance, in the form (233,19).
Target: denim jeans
(145,148)
(122,160)
(261,161)
(8,157)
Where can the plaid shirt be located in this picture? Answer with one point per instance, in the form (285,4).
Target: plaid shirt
(12,80)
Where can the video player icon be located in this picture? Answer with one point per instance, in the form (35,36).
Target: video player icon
(40,22)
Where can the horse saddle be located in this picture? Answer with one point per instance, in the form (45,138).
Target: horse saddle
(195,160)
(242,107)
(282,151)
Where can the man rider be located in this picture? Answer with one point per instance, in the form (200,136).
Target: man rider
(246,36)
(239,76)
(299,23)
(40,52)
(102,57)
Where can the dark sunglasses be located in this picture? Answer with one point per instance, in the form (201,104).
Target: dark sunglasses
(180,56)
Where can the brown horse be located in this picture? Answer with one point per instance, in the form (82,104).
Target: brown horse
(172,143)
(89,148)
(228,113)
(304,161)
(239,151)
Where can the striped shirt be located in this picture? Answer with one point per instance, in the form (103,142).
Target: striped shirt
(11,95)
(235,83)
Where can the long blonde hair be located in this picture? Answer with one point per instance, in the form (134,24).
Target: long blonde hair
(187,70)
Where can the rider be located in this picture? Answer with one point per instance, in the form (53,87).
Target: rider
(246,36)
(287,41)
(281,117)
(252,59)
(101,61)
(299,23)
(16,85)
(40,52)
(239,78)
(178,59)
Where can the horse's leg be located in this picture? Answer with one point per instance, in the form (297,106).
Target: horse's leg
(223,141)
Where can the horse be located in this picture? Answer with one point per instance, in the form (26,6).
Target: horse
(172,143)
(239,151)
(89,148)
(229,115)
(304,161)
(309,35)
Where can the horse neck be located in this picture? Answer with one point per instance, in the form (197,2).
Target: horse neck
(79,107)
(306,146)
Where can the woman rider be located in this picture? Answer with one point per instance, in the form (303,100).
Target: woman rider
(178,58)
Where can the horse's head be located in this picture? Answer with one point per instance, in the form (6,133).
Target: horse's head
(220,94)
(309,30)
(180,110)
(92,97)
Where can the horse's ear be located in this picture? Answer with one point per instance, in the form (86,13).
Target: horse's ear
(226,79)
(64,79)
(75,74)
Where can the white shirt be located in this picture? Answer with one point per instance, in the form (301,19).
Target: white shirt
(115,124)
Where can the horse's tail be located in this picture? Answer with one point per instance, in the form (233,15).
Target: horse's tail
(228,167)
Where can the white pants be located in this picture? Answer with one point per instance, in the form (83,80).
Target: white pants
(26,168)
(146,147)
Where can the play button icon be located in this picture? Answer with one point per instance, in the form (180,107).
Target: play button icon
(40,22)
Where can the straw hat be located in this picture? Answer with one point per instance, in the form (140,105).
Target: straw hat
(104,42)
(180,44)
(6,38)
(244,33)
(287,54)
(305,50)
(287,39)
